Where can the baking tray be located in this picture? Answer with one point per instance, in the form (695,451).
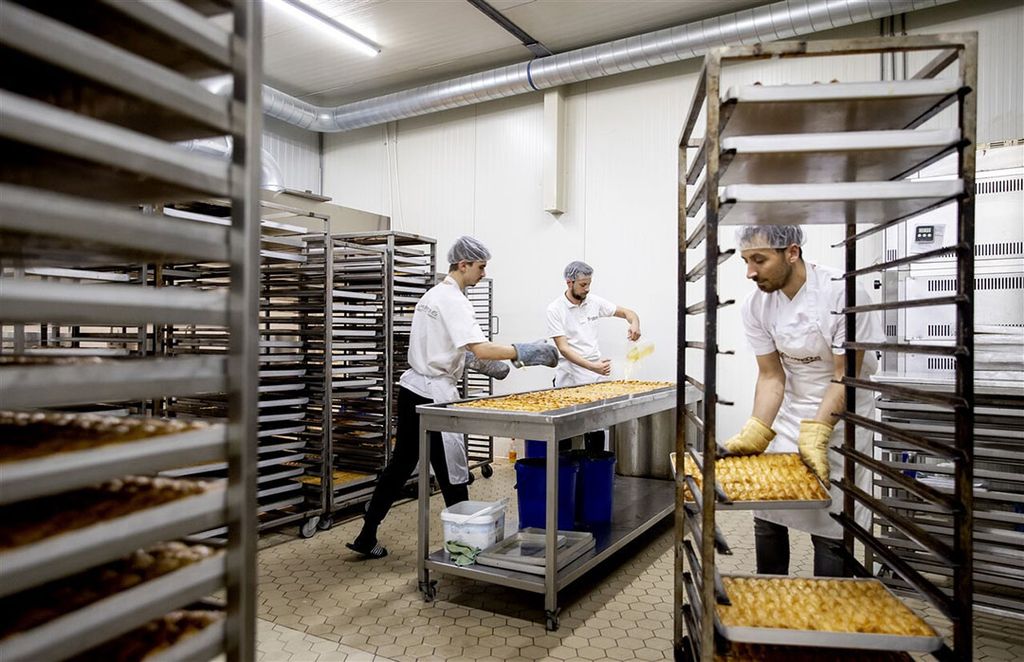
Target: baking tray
(859,640)
(59,472)
(508,553)
(816,504)
(831,157)
(829,203)
(66,553)
(116,614)
(203,645)
(867,106)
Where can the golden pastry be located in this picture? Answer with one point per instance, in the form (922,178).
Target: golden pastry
(538,401)
(819,604)
(765,477)
(25,435)
(41,604)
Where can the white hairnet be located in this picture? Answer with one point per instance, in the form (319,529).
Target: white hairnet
(769,236)
(577,269)
(468,249)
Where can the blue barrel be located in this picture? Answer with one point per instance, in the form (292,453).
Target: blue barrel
(535,448)
(531,486)
(594,488)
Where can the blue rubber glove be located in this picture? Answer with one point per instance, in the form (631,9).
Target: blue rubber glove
(495,369)
(535,353)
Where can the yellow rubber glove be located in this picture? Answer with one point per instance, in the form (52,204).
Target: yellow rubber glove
(813,443)
(754,437)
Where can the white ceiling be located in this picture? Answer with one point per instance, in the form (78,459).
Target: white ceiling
(424,41)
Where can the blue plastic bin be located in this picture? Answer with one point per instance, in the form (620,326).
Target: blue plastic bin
(594,487)
(531,487)
(594,492)
(536,448)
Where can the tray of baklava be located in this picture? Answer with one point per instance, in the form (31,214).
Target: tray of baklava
(768,481)
(68,614)
(820,611)
(186,634)
(560,398)
(767,653)
(48,452)
(51,536)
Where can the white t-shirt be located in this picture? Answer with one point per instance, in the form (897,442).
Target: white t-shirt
(808,337)
(820,296)
(442,325)
(578,323)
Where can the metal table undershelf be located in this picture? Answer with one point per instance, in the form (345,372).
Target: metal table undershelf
(640,503)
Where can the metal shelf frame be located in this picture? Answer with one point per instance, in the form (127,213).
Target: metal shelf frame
(92,146)
(289,324)
(758,111)
(479,448)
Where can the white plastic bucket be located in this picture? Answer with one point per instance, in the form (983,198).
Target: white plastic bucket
(481,531)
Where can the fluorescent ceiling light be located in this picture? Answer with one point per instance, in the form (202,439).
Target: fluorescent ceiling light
(307,13)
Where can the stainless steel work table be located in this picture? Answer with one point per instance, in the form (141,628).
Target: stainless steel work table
(639,503)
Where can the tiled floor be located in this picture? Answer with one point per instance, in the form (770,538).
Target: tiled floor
(315,594)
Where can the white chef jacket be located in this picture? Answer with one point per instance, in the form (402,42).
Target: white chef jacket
(578,323)
(806,335)
(442,325)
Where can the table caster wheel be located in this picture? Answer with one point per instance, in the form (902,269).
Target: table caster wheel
(325,523)
(551,621)
(429,590)
(486,471)
(309,527)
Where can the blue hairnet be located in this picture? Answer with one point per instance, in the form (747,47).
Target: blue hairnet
(468,249)
(769,236)
(577,269)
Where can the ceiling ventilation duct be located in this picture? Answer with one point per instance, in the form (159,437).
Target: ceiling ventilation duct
(271,176)
(779,20)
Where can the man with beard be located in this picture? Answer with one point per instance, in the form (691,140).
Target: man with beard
(572,324)
(790,325)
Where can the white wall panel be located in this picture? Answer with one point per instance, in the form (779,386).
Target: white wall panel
(433,175)
(478,170)
(1000,54)
(356,169)
(297,152)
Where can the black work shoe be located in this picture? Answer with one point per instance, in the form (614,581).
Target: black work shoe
(374,551)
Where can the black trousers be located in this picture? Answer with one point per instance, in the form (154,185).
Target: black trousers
(771,546)
(404,458)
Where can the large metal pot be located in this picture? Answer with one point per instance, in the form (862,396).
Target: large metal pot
(642,445)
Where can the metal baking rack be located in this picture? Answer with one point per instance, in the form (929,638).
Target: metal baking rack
(99,95)
(286,297)
(837,153)
(479,448)
(409,265)
(998,375)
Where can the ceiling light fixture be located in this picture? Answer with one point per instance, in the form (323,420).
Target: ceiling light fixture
(352,38)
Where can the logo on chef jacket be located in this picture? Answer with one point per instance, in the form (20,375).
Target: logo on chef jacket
(805,360)
(424,308)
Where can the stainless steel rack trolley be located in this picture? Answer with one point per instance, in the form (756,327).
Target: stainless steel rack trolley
(98,95)
(287,293)
(846,151)
(480,449)
(409,264)
(640,503)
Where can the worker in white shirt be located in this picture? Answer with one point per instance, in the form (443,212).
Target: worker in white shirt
(444,331)
(791,325)
(572,324)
